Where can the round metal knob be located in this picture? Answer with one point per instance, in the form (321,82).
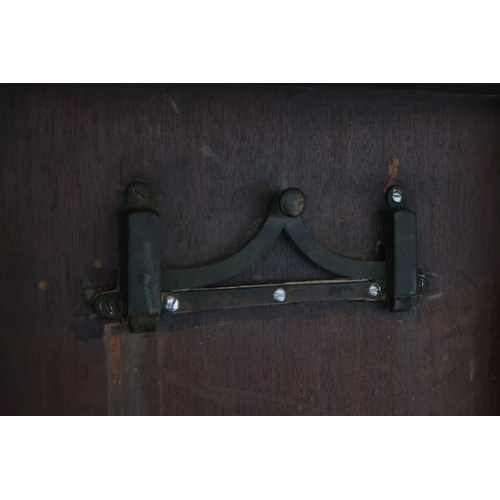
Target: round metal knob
(292,202)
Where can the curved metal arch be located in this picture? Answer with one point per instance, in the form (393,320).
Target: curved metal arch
(331,261)
(182,279)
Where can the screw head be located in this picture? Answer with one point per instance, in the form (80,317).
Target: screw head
(292,202)
(137,193)
(172,303)
(397,196)
(279,295)
(423,285)
(107,306)
(374,290)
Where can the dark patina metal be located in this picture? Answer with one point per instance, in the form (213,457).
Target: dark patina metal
(398,236)
(137,193)
(292,202)
(108,305)
(144,305)
(202,299)
(179,279)
(145,286)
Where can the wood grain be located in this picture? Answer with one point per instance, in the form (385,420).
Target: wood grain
(217,153)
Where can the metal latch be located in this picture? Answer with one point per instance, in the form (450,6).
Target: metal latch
(145,289)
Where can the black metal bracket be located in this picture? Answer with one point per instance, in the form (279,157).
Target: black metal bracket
(145,289)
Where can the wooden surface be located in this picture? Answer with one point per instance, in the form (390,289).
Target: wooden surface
(217,153)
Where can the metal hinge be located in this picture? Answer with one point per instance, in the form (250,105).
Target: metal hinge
(145,289)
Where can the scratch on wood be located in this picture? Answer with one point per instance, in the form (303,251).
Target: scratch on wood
(113,342)
(173,104)
(451,372)
(393,167)
(393,173)
(466,276)
(206,151)
(471,369)
(433,297)
(225,394)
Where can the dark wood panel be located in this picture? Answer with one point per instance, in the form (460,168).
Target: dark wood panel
(217,153)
